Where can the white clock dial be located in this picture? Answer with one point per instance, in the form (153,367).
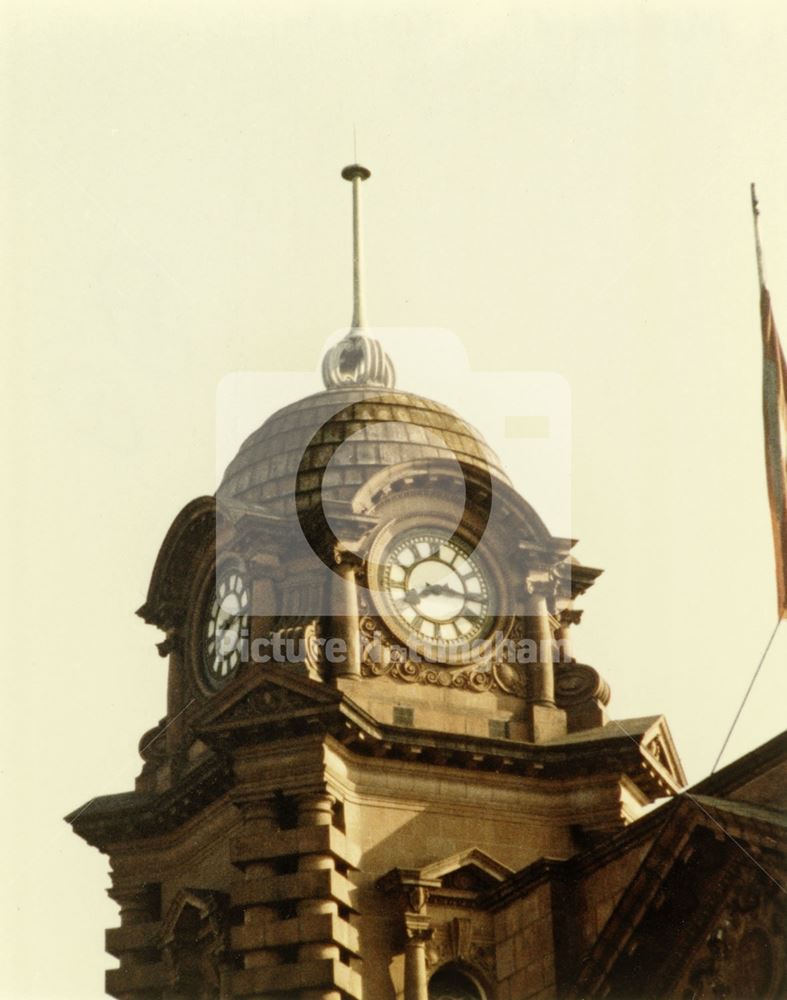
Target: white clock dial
(225,628)
(437,589)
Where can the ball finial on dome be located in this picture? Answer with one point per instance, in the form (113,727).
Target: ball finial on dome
(357,360)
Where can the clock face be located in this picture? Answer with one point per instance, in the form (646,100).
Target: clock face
(436,590)
(225,627)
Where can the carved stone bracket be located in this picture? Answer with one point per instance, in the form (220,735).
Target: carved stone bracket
(411,891)
(173,642)
(541,584)
(569,616)
(153,744)
(417,898)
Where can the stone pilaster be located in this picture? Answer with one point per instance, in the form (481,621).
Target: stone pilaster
(415,979)
(141,973)
(138,904)
(315,810)
(298,876)
(259,917)
(545,719)
(411,892)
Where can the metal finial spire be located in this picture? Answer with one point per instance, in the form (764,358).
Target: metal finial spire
(357,359)
(356,173)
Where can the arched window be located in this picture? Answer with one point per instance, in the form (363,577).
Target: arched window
(453,984)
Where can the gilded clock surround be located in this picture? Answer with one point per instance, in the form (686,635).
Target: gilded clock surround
(394,534)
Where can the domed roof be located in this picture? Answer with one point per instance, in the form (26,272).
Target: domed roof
(380,428)
(330,444)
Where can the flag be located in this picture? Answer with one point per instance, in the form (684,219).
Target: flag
(774,411)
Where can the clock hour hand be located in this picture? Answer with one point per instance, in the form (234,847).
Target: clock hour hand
(413,596)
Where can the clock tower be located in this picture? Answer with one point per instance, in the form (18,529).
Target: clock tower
(374,719)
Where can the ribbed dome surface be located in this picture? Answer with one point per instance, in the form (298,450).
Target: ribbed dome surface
(385,427)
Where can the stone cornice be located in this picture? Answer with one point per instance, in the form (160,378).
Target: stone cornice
(757,822)
(607,750)
(264,708)
(109,819)
(538,873)
(746,769)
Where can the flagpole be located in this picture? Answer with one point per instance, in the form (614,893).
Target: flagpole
(755,211)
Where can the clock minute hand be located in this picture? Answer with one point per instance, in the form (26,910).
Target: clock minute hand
(450,592)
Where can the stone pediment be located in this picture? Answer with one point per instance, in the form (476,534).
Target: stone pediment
(660,766)
(457,879)
(486,867)
(470,878)
(464,876)
(658,744)
(269,697)
(708,891)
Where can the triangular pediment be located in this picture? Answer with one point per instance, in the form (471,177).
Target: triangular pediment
(458,880)
(661,752)
(647,742)
(468,871)
(713,863)
(274,694)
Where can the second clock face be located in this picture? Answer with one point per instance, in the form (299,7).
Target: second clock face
(437,590)
(226,623)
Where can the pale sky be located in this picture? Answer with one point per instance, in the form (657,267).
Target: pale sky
(564,186)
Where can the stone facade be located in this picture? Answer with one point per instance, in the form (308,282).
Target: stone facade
(392,826)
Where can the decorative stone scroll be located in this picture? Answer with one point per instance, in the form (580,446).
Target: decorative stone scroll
(456,941)
(743,956)
(577,682)
(383,657)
